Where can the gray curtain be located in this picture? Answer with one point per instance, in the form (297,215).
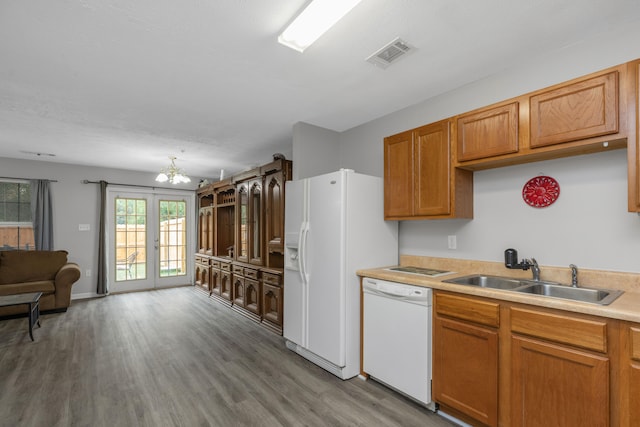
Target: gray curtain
(102,284)
(41,214)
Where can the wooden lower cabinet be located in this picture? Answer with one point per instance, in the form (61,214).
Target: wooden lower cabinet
(256,293)
(252,296)
(465,357)
(558,385)
(214,276)
(465,369)
(225,286)
(630,375)
(215,281)
(510,364)
(238,290)
(272,300)
(202,274)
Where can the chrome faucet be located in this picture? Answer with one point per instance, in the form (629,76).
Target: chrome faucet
(535,269)
(574,275)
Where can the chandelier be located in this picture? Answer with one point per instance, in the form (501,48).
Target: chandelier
(172,174)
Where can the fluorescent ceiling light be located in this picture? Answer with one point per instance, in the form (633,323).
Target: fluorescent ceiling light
(314,21)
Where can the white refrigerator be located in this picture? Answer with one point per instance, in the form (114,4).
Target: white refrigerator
(334,226)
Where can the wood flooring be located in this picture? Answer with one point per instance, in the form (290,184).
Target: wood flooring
(174,357)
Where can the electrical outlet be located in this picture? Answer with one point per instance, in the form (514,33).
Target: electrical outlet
(87,272)
(452,242)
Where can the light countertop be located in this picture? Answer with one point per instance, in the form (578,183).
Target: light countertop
(625,307)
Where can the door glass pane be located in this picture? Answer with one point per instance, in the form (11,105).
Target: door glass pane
(131,237)
(256,242)
(244,211)
(173,238)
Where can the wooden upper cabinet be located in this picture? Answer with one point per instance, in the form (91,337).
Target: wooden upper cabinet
(398,175)
(432,164)
(256,218)
(242,221)
(419,182)
(579,110)
(488,132)
(633,146)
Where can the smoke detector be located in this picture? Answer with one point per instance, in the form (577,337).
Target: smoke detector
(390,53)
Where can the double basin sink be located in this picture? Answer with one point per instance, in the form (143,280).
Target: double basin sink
(549,289)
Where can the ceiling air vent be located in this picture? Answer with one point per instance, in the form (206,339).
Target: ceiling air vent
(391,52)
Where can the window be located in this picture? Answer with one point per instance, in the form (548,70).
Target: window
(16,227)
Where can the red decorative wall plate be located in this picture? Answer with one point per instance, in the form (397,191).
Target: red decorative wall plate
(541,191)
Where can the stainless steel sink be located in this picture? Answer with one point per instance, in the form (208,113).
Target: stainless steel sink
(596,296)
(493,282)
(548,289)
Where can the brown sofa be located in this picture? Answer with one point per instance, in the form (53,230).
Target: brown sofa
(48,272)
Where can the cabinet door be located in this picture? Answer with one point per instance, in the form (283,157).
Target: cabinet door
(630,376)
(465,369)
(274,219)
(237,290)
(202,276)
(242,214)
(225,285)
(558,384)
(252,295)
(581,110)
(398,175)
(432,168)
(633,144)
(215,281)
(210,231)
(256,229)
(272,304)
(488,132)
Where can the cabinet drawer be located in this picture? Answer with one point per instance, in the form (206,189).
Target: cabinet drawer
(272,279)
(225,267)
(563,329)
(214,263)
(238,269)
(472,310)
(634,338)
(250,273)
(202,260)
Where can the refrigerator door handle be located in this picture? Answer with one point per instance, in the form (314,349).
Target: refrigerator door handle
(300,258)
(303,252)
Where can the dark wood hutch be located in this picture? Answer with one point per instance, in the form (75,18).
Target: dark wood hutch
(240,254)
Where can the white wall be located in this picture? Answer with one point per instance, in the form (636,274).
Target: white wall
(588,226)
(316,150)
(76,203)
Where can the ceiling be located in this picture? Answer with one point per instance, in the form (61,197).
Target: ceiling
(127,83)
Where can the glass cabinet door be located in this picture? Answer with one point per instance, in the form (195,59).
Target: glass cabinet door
(255,218)
(243,224)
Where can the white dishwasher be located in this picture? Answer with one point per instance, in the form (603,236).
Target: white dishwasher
(397,337)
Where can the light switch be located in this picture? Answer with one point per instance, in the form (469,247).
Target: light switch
(84,227)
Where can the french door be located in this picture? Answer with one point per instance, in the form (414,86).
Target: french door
(150,238)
